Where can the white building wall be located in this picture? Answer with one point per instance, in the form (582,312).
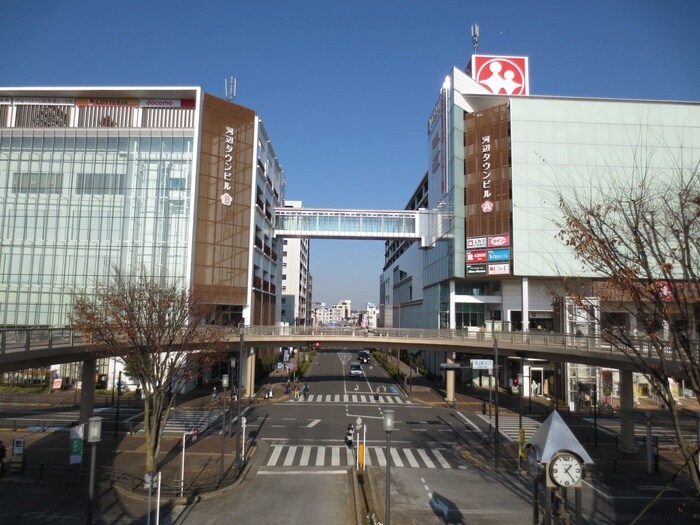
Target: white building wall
(575,145)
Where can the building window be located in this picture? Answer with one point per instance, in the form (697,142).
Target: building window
(99,184)
(37,183)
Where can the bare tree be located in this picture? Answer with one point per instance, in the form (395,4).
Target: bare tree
(641,234)
(160,332)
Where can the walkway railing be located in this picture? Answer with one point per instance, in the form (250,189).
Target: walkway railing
(20,343)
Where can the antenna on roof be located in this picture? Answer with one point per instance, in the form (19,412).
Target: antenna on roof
(230,84)
(475,37)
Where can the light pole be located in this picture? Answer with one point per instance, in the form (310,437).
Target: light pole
(94,437)
(388,428)
(240,394)
(119,395)
(224,385)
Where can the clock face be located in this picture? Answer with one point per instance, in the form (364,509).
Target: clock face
(565,469)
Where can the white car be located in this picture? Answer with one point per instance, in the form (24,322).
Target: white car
(355,368)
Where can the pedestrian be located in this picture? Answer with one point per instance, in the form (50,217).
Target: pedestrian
(214,394)
(305,391)
(349,434)
(3,452)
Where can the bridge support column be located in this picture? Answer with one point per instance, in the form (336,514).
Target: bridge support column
(626,412)
(250,374)
(87,393)
(525,298)
(450,380)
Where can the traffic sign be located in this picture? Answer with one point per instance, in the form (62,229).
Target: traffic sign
(482,364)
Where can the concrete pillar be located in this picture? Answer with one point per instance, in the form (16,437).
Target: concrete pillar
(525,290)
(450,379)
(250,374)
(626,412)
(87,393)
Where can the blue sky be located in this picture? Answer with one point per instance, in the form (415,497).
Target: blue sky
(345,88)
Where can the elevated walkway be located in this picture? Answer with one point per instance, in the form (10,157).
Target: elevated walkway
(425,225)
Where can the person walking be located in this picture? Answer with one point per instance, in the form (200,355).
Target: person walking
(297,387)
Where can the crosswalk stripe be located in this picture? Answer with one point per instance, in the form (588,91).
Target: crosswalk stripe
(411,459)
(443,462)
(276,451)
(426,459)
(305,453)
(289,459)
(395,456)
(380,457)
(335,456)
(320,456)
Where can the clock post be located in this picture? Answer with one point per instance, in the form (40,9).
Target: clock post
(555,455)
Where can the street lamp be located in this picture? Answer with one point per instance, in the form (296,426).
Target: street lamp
(240,393)
(224,386)
(94,436)
(388,428)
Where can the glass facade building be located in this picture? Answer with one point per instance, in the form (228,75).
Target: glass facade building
(172,181)
(79,203)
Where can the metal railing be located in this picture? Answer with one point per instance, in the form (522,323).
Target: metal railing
(16,343)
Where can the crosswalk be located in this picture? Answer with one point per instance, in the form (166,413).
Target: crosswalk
(509,426)
(370,399)
(342,456)
(187,420)
(665,434)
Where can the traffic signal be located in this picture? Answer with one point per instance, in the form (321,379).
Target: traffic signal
(317,344)
(515,381)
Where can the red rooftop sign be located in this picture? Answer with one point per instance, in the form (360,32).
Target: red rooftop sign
(501,75)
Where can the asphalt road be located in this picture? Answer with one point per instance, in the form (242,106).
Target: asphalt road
(302,470)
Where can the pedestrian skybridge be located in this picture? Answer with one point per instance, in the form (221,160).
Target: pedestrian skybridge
(425,225)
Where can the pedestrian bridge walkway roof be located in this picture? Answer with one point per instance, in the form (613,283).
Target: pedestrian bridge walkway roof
(424,225)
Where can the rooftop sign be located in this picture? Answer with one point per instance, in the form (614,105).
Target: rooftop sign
(501,75)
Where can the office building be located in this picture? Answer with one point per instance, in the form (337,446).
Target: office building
(498,158)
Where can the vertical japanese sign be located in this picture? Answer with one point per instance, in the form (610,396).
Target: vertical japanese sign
(226,198)
(76,444)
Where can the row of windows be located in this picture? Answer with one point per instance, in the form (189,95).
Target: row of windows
(65,116)
(69,141)
(85,183)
